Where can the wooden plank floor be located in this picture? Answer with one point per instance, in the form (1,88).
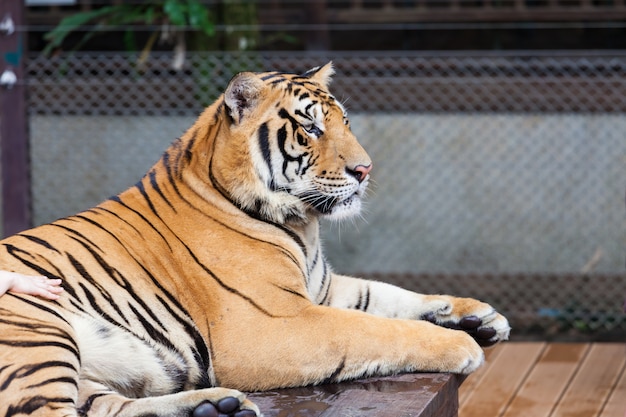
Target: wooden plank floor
(537,379)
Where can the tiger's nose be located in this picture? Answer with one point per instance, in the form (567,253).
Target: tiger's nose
(360,171)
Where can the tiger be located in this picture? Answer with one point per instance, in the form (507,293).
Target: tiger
(206,279)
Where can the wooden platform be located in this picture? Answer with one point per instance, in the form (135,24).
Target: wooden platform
(518,379)
(548,380)
(410,395)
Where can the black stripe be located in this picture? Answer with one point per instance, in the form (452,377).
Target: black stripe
(28,370)
(218,111)
(36,325)
(223,284)
(280,81)
(201,352)
(84,409)
(82,271)
(99,310)
(33,404)
(308,106)
(314,263)
(77,233)
(302,141)
(209,381)
(187,153)
(264,144)
(364,299)
(293,235)
(111,212)
(281,136)
(271,75)
(325,278)
(155,186)
(284,114)
(175,151)
(358,303)
(333,377)
(61,380)
(36,303)
(142,190)
(291,291)
(367,299)
(14,250)
(172,176)
(152,331)
(120,280)
(219,188)
(39,241)
(32,344)
(111,272)
(152,226)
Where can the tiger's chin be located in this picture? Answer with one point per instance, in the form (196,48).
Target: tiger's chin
(345,209)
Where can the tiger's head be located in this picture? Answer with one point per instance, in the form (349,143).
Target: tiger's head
(285,152)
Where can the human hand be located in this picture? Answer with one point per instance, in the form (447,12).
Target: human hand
(34,285)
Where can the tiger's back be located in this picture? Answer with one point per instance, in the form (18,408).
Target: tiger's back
(209,272)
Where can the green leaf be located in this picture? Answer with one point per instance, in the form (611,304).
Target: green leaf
(127,15)
(199,17)
(150,15)
(129,40)
(69,24)
(175,11)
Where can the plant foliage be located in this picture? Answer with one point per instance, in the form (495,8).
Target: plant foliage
(165,14)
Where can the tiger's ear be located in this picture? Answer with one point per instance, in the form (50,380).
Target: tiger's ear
(242,95)
(322,75)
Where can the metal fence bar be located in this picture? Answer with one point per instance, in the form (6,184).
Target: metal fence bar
(497,175)
(110,83)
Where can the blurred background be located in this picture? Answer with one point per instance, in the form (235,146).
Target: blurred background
(496,127)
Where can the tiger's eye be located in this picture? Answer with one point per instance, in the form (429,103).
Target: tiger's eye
(314,130)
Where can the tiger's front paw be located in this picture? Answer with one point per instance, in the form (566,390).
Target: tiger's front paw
(478,319)
(228,406)
(214,402)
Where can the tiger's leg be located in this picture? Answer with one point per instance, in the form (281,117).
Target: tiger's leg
(39,360)
(96,400)
(321,344)
(478,319)
(124,375)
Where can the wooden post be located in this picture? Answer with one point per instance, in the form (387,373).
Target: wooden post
(16,202)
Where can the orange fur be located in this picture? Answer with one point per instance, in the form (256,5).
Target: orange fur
(209,272)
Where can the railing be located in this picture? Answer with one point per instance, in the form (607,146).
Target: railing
(420,11)
(112,83)
(497,175)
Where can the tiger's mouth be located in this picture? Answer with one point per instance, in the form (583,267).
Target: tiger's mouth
(331,200)
(335,207)
(348,207)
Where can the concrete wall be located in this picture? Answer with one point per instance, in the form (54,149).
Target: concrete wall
(450,193)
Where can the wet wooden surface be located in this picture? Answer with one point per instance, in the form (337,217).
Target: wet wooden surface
(530,379)
(411,395)
(548,380)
